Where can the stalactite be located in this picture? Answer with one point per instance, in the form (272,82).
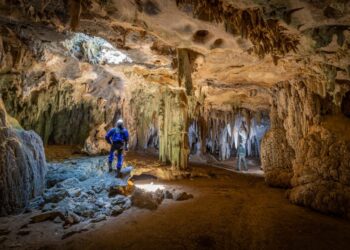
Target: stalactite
(184,70)
(75,10)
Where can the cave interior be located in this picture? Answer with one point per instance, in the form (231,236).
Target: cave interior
(248,95)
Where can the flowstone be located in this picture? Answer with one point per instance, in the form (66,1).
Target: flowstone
(22,166)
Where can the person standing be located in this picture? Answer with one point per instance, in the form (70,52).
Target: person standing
(241,153)
(118,138)
(241,150)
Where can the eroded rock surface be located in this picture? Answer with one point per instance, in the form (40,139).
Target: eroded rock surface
(315,132)
(22,166)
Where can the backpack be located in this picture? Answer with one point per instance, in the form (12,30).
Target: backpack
(119,135)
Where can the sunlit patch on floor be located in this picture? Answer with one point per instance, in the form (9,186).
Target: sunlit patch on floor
(151,187)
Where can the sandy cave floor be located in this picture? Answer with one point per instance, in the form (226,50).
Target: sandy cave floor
(229,211)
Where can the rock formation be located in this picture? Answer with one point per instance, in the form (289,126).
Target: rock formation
(22,165)
(321,163)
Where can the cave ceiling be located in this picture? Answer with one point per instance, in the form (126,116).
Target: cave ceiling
(239,49)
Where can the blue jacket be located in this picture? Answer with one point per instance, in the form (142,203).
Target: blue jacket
(117,135)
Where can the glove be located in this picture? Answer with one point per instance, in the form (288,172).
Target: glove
(126,147)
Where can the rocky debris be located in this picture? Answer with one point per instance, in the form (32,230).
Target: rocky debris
(37,202)
(149,200)
(117,210)
(58,220)
(85,209)
(121,186)
(71,219)
(55,195)
(99,219)
(118,200)
(127,204)
(182,196)
(51,215)
(168,195)
(68,183)
(121,190)
(48,207)
(152,199)
(74,192)
(22,166)
(73,200)
(45,216)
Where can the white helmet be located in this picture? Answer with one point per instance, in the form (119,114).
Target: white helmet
(120,122)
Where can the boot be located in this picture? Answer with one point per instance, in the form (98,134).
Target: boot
(118,174)
(110,169)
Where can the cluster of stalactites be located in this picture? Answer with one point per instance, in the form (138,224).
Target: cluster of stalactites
(194,140)
(267,35)
(226,130)
(148,136)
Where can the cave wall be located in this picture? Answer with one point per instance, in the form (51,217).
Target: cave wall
(61,98)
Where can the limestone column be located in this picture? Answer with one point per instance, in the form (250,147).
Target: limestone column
(173,127)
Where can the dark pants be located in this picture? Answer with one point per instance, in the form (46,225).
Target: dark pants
(241,158)
(119,148)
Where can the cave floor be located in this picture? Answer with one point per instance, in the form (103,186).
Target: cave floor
(228,211)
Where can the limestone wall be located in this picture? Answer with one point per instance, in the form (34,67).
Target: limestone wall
(312,148)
